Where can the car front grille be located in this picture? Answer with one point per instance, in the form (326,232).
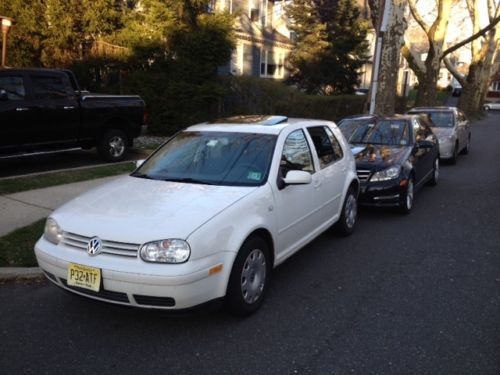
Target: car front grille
(363,174)
(103,293)
(79,242)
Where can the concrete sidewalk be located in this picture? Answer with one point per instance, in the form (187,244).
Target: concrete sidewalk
(21,209)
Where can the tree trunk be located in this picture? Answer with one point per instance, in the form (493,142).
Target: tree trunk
(427,92)
(393,39)
(472,94)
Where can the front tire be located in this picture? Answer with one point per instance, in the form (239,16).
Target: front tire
(435,173)
(406,200)
(466,150)
(349,215)
(454,157)
(113,145)
(249,279)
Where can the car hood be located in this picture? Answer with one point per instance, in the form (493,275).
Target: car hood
(377,157)
(442,132)
(137,210)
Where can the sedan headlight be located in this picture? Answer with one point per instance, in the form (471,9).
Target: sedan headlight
(166,251)
(447,139)
(386,174)
(52,231)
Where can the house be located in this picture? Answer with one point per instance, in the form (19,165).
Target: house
(261,44)
(494,89)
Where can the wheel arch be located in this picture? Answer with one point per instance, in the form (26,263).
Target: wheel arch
(266,236)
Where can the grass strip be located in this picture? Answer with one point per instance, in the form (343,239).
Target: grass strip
(16,247)
(15,185)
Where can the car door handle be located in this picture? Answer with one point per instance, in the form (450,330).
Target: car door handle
(22,109)
(69,107)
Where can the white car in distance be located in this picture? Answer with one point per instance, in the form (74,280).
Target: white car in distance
(207,216)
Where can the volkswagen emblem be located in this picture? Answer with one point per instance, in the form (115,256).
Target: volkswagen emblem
(94,246)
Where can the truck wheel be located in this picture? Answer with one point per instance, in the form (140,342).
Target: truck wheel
(113,145)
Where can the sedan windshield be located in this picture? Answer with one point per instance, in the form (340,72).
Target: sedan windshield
(439,119)
(213,158)
(383,132)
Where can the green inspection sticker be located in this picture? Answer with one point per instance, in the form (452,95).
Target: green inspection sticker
(255,176)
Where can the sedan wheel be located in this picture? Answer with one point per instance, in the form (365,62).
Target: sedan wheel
(467,146)
(454,157)
(435,173)
(406,203)
(249,277)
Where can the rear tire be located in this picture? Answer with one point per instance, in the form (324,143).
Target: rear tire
(349,215)
(249,279)
(113,145)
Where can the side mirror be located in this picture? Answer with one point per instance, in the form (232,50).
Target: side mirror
(138,163)
(3,95)
(297,178)
(425,144)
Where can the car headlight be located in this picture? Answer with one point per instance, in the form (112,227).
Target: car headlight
(447,139)
(386,174)
(52,231)
(166,251)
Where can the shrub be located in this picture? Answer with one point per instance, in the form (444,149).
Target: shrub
(250,95)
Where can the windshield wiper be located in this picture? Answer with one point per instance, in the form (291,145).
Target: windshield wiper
(189,180)
(142,175)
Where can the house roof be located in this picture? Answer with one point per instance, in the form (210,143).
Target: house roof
(253,32)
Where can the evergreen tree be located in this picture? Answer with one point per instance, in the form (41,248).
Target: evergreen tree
(331,45)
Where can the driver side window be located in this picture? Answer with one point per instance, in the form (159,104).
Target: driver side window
(296,154)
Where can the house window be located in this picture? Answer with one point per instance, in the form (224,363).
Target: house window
(495,86)
(272,63)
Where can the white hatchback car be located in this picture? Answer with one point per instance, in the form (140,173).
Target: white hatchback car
(207,216)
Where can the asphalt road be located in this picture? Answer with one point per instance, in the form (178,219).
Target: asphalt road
(417,294)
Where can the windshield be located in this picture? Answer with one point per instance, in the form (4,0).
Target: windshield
(439,119)
(214,158)
(383,132)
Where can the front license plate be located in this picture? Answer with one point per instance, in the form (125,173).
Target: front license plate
(84,277)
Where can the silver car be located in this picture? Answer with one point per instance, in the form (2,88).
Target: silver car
(492,105)
(451,127)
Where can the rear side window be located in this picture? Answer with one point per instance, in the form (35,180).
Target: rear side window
(326,145)
(13,86)
(48,87)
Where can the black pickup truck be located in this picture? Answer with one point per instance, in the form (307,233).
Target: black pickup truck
(44,110)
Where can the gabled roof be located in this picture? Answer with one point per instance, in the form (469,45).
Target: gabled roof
(251,31)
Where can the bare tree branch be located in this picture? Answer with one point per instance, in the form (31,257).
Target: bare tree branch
(414,61)
(454,72)
(481,32)
(417,16)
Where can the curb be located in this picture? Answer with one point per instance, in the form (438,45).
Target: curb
(20,273)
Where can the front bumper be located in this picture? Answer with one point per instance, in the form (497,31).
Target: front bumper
(384,193)
(136,283)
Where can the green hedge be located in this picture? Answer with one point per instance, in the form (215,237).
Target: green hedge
(250,95)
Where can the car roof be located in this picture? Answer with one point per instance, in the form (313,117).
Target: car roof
(380,117)
(30,70)
(432,109)
(262,124)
